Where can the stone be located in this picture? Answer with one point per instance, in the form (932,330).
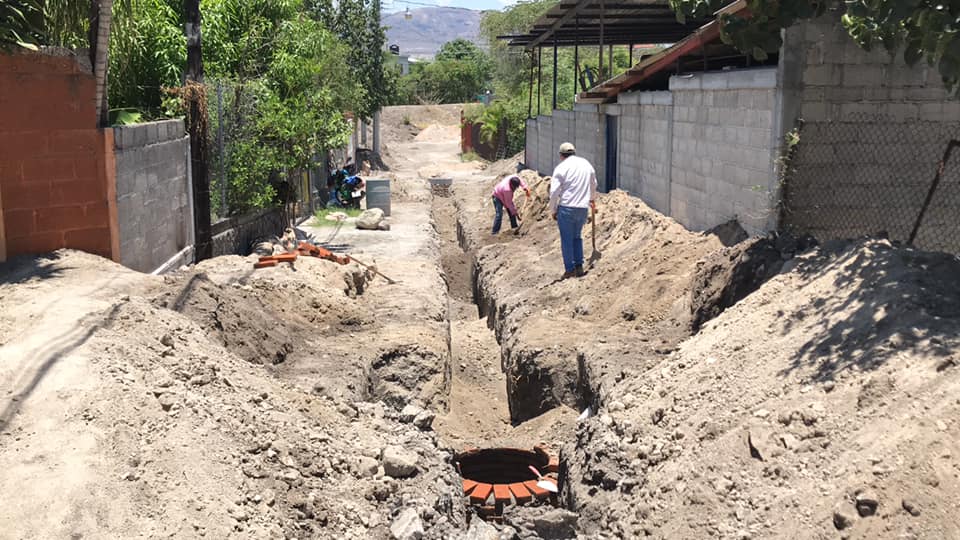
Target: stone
(407,525)
(910,507)
(615,406)
(867,503)
(367,467)
(398,462)
(409,413)
(370,219)
(424,420)
(843,517)
(557,523)
(481,530)
(167,401)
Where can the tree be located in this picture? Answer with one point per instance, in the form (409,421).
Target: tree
(21,24)
(918,29)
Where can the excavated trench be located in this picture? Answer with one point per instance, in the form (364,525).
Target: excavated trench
(496,452)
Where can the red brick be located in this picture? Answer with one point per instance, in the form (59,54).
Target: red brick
(37,243)
(95,241)
(61,218)
(18,223)
(45,170)
(285,257)
(521,493)
(26,196)
(501,493)
(468,486)
(536,490)
(264,264)
(11,171)
(554,465)
(75,141)
(21,145)
(480,493)
(86,167)
(77,192)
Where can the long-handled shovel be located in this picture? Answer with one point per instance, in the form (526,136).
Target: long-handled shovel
(373,268)
(595,256)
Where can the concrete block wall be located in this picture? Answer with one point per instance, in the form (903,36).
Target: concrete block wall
(590,138)
(723,149)
(874,131)
(646,131)
(531,155)
(154,209)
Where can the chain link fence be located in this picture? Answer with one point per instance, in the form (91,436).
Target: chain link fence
(874,176)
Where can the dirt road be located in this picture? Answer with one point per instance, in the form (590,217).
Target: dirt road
(734,389)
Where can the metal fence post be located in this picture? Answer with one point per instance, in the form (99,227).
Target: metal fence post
(223,175)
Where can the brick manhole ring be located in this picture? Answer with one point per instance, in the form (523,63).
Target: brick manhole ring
(495,477)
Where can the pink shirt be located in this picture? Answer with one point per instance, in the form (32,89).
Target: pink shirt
(504,194)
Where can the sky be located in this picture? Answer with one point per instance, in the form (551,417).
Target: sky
(391,6)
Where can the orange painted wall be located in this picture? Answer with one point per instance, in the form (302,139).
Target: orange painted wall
(57,170)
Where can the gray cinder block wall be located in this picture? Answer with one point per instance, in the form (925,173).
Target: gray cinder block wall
(874,130)
(723,149)
(154,210)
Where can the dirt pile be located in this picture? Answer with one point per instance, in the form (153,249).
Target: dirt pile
(758,389)
(825,401)
(640,281)
(170,433)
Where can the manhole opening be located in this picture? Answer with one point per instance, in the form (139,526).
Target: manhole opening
(502,465)
(495,477)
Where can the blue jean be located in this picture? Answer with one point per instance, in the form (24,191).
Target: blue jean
(498,219)
(571,222)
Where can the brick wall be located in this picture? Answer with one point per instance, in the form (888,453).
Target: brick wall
(646,123)
(723,149)
(154,209)
(56,168)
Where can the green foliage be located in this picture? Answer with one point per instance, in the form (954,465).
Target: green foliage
(148,52)
(470,156)
(21,24)
(918,29)
(289,82)
(124,117)
(460,73)
(322,221)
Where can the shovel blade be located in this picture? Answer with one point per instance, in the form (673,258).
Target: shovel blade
(548,485)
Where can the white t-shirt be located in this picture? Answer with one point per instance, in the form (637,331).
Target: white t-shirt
(574,184)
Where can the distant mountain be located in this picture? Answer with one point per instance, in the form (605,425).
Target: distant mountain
(429,28)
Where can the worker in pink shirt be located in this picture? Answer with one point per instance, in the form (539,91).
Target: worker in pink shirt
(503,198)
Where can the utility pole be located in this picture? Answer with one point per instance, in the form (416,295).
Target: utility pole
(199,152)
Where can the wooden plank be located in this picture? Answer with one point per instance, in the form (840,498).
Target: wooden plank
(480,493)
(521,493)
(559,23)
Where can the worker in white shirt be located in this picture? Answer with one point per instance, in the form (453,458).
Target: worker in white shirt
(573,190)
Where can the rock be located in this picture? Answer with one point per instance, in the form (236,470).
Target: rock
(481,530)
(384,226)
(867,503)
(370,219)
(606,420)
(167,401)
(557,523)
(789,441)
(615,406)
(843,517)
(399,463)
(367,467)
(910,507)
(166,340)
(409,413)
(407,525)
(761,413)
(424,420)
